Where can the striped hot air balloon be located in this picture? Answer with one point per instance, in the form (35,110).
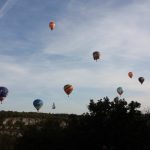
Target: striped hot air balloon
(68,89)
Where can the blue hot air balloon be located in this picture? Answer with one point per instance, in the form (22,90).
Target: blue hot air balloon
(37,103)
(3,93)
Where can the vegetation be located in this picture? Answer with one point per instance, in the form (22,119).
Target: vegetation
(109,125)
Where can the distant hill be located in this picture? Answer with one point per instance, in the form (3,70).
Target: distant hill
(13,123)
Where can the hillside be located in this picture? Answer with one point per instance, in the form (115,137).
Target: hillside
(109,125)
(14,123)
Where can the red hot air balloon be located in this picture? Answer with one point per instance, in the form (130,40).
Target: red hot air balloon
(52,25)
(130,74)
(68,89)
(96,55)
(141,79)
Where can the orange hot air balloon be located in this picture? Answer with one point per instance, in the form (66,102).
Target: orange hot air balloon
(96,55)
(52,25)
(130,74)
(68,89)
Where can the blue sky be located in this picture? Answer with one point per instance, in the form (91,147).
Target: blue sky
(37,62)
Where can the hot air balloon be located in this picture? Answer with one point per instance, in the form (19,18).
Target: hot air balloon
(96,55)
(141,79)
(53,106)
(120,90)
(68,89)
(37,103)
(52,25)
(3,93)
(130,74)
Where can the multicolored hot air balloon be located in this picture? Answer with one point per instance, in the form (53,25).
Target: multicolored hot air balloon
(130,74)
(141,79)
(96,55)
(52,25)
(68,89)
(3,93)
(120,90)
(38,103)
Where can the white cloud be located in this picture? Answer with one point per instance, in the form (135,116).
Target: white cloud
(120,34)
(6,7)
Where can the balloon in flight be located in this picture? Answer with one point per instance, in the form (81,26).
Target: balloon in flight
(130,74)
(3,93)
(68,89)
(53,106)
(120,90)
(52,25)
(38,103)
(96,55)
(141,79)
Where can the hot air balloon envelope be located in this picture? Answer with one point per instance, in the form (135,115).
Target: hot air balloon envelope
(3,93)
(68,89)
(130,74)
(37,103)
(120,90)
(53,106)
(52,25)
(96,55)
(141,79)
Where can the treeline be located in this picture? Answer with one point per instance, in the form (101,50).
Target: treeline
(109,125)
(32,115)
(13,114)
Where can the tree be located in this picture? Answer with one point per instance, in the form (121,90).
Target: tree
(132,106)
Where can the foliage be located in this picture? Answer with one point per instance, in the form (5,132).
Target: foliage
(114,124)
